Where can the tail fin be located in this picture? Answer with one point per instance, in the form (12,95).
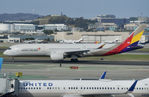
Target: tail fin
(131,89)
(138,33)
(133,40)
(103,75)
(1,62)
(130,43)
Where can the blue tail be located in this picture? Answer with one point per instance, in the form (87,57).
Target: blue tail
(131,89)
(103,75)
(1,62)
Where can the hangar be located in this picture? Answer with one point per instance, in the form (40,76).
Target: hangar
(108,36)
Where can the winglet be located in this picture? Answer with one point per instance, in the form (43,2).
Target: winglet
(1,62)
(101,46)
(103,75)
(131,89)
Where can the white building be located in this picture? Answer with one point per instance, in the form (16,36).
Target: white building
(24,27)
(99,17)
(104,26)
(130,27)
(144,38)
(13,39)
(5,27)
(8,39)
(59,27)
(16,27)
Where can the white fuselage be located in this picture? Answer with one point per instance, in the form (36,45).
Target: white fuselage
(48,88)
(49,49)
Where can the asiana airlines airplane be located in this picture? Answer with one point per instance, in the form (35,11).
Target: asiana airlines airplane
(73,51)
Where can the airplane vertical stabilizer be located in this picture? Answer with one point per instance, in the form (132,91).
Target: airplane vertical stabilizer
(130,43)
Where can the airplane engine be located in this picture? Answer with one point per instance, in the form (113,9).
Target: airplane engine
(57,56)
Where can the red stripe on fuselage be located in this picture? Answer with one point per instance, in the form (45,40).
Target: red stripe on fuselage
(119,48)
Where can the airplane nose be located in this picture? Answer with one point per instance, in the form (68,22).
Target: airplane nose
(5,53)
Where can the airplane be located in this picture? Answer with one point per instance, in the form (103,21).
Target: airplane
(61,51)
(79,88)
(71,41)
(83,88)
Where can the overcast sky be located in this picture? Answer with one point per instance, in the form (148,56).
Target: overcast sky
(77,8)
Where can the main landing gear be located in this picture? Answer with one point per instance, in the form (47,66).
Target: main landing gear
(74,60)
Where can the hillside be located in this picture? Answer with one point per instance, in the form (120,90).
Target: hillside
(63,19)
(18,17)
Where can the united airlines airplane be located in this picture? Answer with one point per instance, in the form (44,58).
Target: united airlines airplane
(79,88)
(83,88)
(73,51)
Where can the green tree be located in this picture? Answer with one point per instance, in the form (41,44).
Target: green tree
(48,32)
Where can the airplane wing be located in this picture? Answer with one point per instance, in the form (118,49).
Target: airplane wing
(77,52)
(80,52)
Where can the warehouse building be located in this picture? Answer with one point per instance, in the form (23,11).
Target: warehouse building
(91,37)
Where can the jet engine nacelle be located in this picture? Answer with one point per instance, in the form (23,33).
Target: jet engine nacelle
(57,56)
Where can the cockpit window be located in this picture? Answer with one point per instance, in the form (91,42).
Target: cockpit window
(9,49)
